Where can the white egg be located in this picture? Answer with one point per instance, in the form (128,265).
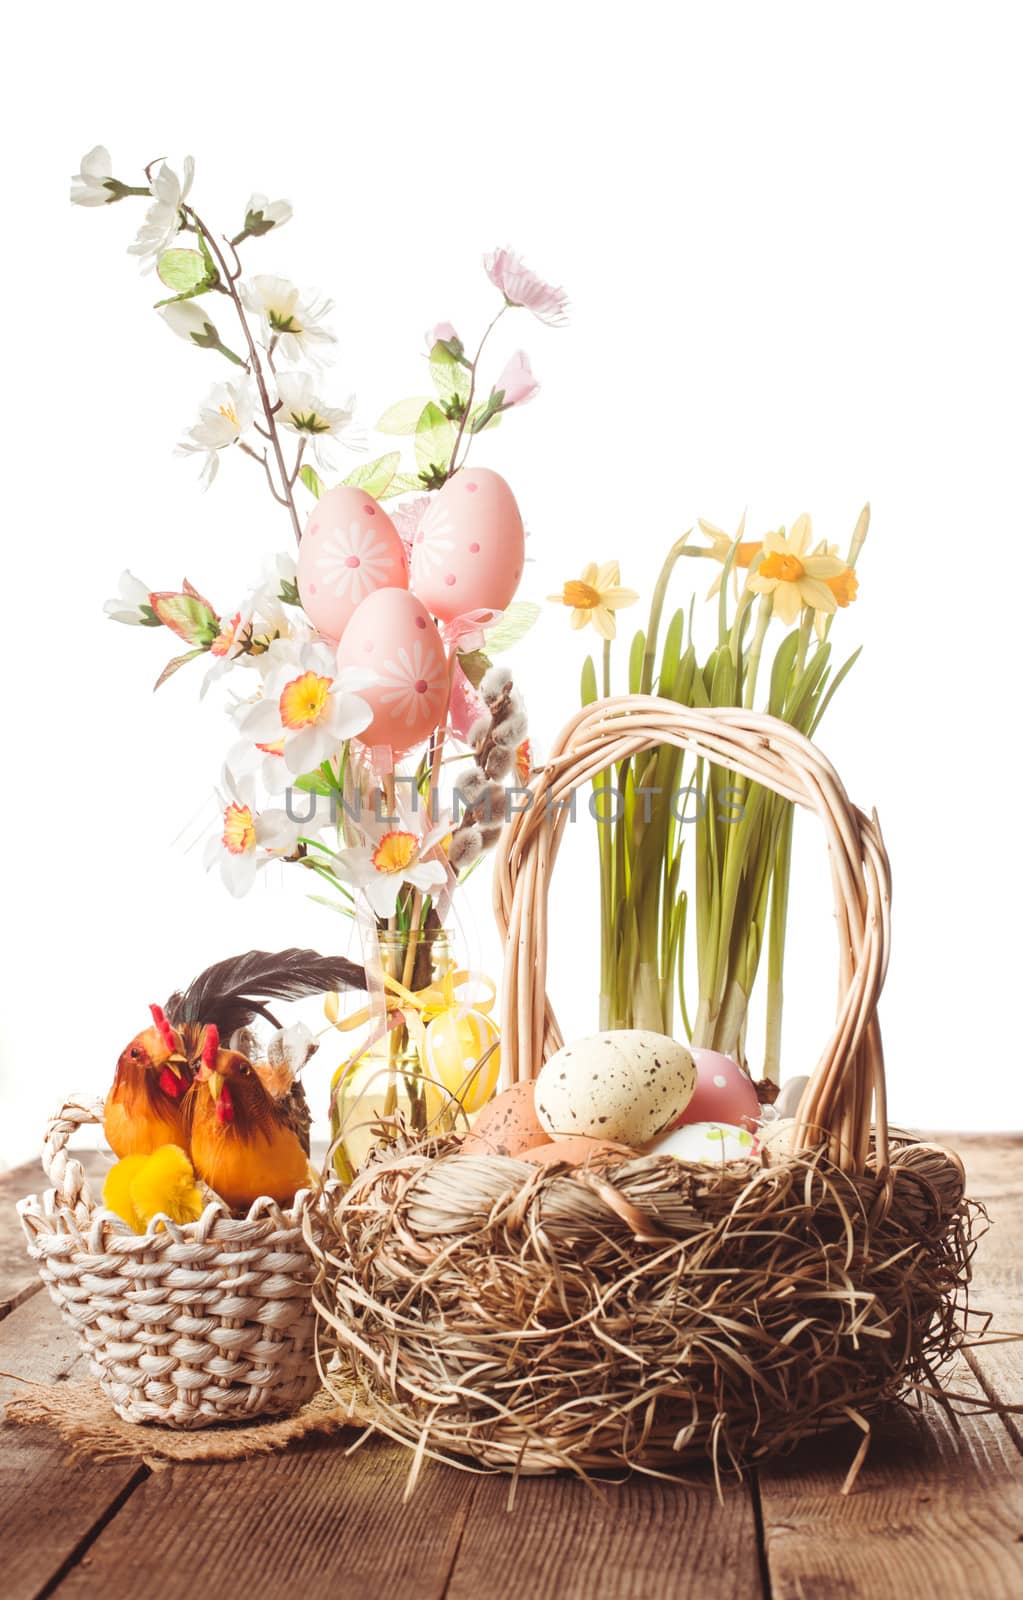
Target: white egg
(789,1096)
(625,1085)
(710,1143)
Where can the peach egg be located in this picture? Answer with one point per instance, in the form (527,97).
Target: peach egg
(470,548)
(393,635)
(350,549)
(723,1093)
(507,1126)
(577,1150)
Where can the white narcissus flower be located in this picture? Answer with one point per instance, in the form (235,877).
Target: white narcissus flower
(291,321)
(304,413)
(311,706)
(225,415)
(191,321)
(126,606)
(247,838)
(163,219)
(89,187)
(380,870)
(262,214)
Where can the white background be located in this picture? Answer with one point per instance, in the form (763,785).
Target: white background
(791,237)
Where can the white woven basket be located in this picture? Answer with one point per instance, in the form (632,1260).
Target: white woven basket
(184,1326)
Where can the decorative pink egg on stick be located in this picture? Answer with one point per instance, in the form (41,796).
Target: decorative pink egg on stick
(393,635)
(724,1092)
(469,551)
(350,549)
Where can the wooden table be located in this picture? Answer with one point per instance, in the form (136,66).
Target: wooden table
(937,1510)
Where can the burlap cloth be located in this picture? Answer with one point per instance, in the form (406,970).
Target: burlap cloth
(85,1419)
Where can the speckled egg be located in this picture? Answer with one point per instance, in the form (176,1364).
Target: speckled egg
(723,1093)
(392,633)
(507,1126)
(709,1142)
(350,548)
(469,550)
(625,1085)
(775,1138)
(577,1151)
(455,1040)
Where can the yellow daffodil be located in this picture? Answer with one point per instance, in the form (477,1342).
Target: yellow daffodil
(844,586)
(595,596)
(746,552)
(793,578)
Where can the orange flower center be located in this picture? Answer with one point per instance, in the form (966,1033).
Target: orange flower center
(305,701)
(844,586)
(395,852)
(239,830)
(274,748)
(786,568)
(581,596)
(225,638)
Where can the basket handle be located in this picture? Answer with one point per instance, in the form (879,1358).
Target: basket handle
(848,1080)
(65,1173)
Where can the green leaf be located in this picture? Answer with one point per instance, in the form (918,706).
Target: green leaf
(781,673)
(671,655)
(475,664)
(588,686)
(516,622)
(845,668)
(312,783)
(451,377)
(403,417)
(182,270)
(484,416)
(312,481)
(435,439)
(375,476)
(402,483)
(636,660)
(178,662)
(187,615)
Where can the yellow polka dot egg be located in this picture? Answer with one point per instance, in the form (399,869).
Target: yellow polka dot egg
(455,1041)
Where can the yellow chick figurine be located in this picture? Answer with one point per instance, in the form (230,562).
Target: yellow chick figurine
(163,1183)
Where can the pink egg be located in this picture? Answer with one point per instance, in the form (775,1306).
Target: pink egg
(350,548)
(393,635)
(723,1093)
(470,548)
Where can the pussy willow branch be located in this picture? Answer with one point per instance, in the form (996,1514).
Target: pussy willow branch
(229,279)
(472,387)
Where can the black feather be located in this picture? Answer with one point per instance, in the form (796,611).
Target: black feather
(231,993)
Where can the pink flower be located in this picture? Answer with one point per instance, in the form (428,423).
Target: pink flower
(408,519)
(520,287)
(516,384)
(443,331)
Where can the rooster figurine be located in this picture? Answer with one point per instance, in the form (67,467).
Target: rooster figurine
(244,1142)
(148,1104)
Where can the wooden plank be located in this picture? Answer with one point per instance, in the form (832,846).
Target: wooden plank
(291,1524)
(639,1540)
(51,1510)
(994,1170)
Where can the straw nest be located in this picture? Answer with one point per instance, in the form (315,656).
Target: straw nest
(644,1315)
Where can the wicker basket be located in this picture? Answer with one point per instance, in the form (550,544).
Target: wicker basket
(647,1312)
(184,1326)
